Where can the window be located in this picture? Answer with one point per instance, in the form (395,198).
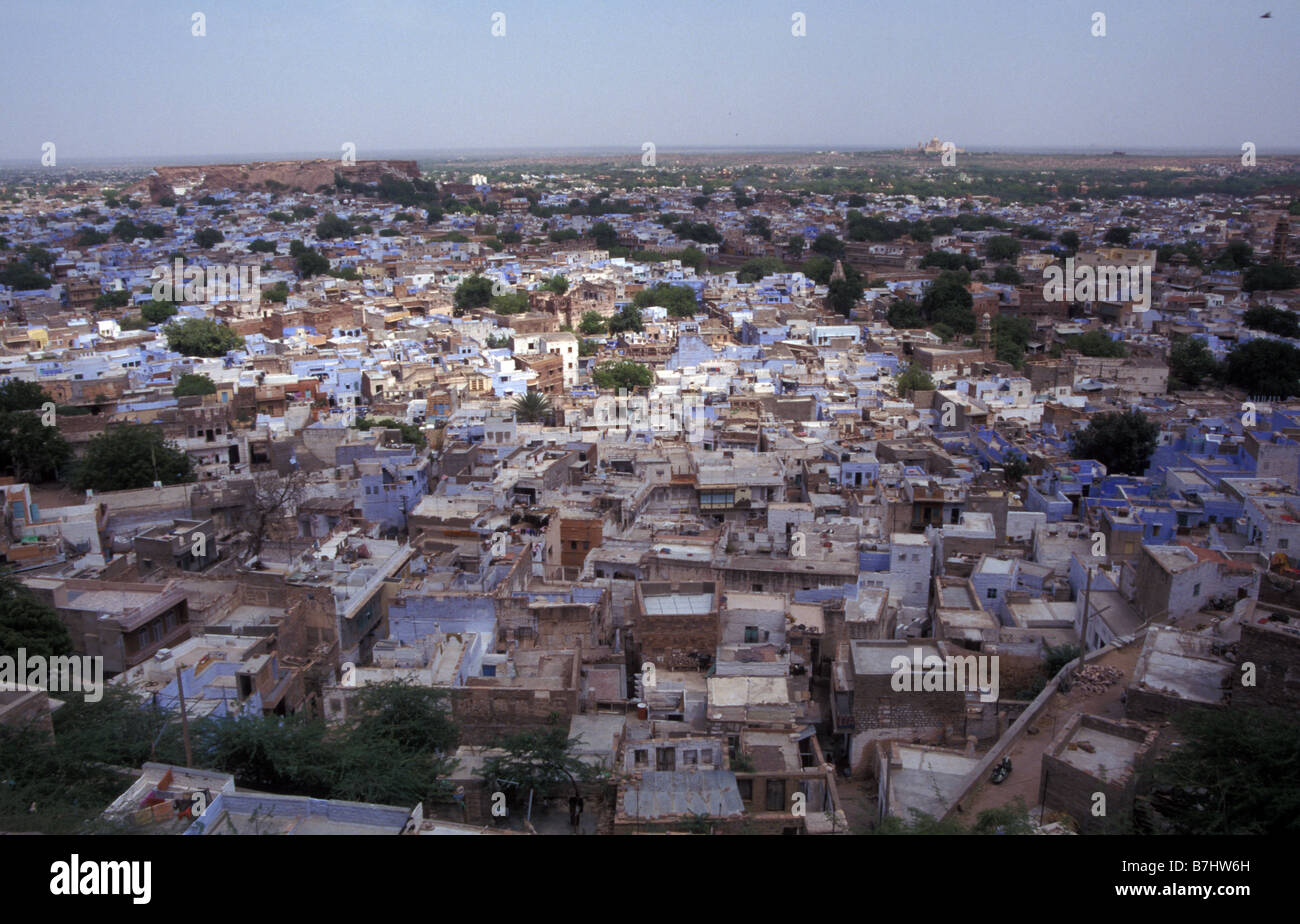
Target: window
(1283,543)
(746,788)
(666,759)
(751,634)
(1196,590)
(992,593)
(775,795)
(641,757)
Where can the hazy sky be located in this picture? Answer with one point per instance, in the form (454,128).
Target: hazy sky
(127,79)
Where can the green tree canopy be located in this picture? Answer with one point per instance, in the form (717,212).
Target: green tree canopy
(1236,771)
(679,300)
(625,374)
(592,323)
(27,623)
(332,226)
(192,384)
(947,301)
(557,284)
(629,318)
(201,337)
(906,314)
(1121,441)
(1264,368)
(207,237)
(156,312)
(1190,364)
(604,235)
(755,269)
(127,456)
(542,761)
(913,379)
(1096,343)
(532,407)
(410,433)
(1274,320)
(474,292)
(1001,248)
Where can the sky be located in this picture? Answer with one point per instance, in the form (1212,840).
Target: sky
(128,79)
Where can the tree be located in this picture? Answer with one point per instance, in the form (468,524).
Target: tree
(625,374)
(947,301)
(1123,442)
(474,292)
(27,623)
(913,379)
(18,395)
(1069,240)
(331,227)
(207,237)
(1237,771)
(22,276)
(557,284)
(679,300)
(30,450)
(1270,276)
(1237,255)
(1190,364)
(411,434)
(261,245)
(1264,367)
(1096,343)
(1002,248)
(829,246)
(201,337)
(311,262)
(755,269)
(192,384)
(843,294)
(117,298)
(510,303)
(1008,275)
(124,229)
(533,407)
(592,323)
(604,235)
(906,314)
(1118,235)
(629,318)
(795,244)
(156,312)
(130,456)
(1014,467)
(945,260)
(759,226)
(276,293)
(541,761)
(269,498)
(1011,339)
(1274,320)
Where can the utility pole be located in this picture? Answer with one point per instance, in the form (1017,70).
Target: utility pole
(1087,600)
(185,725)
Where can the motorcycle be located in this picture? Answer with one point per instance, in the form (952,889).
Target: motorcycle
(1002,770)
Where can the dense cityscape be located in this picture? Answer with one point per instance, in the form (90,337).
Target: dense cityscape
(929,488)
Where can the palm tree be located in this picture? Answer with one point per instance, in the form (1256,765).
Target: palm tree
(533,407)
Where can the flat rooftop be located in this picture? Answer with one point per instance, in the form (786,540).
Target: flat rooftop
(1099,753)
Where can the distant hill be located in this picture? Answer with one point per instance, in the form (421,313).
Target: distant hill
(300,175)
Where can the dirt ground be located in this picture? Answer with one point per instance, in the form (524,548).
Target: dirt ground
(1027,751)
